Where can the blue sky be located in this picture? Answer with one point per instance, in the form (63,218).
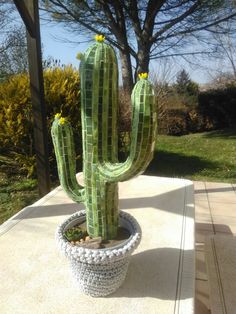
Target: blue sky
(66,52)
(54,46)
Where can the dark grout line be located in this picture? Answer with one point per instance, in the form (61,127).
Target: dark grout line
(200,279)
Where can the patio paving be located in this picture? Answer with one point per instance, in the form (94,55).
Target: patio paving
(215,213)
(161,277)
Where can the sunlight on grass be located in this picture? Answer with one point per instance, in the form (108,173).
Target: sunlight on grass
(206,156)
(16,192)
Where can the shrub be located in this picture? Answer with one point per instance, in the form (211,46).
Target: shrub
(16,121)
(15,115)
(181,113)
(219,106)
(197,122)
(173,122)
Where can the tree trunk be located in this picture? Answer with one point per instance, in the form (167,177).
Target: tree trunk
(126,70)
(143,60)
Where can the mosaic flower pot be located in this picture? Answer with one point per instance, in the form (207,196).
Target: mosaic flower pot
(99,272)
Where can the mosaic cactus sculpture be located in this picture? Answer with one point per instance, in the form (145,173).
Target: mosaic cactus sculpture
(101,169)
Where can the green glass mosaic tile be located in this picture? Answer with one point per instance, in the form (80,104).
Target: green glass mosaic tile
(99,114)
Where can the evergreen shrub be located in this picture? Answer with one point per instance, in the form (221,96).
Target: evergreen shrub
(219,106)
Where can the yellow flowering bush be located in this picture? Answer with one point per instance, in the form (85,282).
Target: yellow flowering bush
(62,89)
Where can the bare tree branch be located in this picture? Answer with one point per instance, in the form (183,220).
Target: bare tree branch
(146,30)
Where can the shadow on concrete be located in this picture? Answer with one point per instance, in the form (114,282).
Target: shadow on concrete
(177,165)
(49,210)
(200,307)
(154,274)
(165,201)
(215,228)
(214,190)
(170,201)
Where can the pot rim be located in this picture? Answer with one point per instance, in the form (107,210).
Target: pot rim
(103,255)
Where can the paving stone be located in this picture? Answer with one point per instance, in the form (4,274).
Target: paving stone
(223,209)
(220,192)
(201,271)
(200,193)
(204,226)
(202,304)
(221,260)
(201,235)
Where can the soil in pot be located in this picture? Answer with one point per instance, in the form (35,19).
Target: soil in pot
(77,235)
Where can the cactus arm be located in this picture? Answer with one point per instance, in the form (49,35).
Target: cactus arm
(62,137)
(142,136)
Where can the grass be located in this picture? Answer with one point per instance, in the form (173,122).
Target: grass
(207,156)
(16,191)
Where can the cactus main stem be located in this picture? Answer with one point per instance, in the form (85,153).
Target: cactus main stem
(99,86)
(102,207)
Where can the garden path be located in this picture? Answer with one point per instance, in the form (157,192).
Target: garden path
(215,213)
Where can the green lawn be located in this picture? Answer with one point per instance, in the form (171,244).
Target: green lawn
(207,156)
(16,191)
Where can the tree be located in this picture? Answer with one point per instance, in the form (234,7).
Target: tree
(185,91)
(13,57)
(182,81)
(6,9)
(184,85)
(13,48)
(142,30)
(226,44)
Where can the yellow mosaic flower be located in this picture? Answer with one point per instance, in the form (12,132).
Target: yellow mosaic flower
(99,38)
(143,75)
(62,120)
(57,115)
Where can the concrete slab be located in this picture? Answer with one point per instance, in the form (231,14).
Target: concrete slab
(203,213)
(220,227)
(201,272)
(223,209)
(202,234)
(202,297)
(215,214)
(200,193)
(220,192)
(36,279)
(225,224)
(201,226)
(221,261)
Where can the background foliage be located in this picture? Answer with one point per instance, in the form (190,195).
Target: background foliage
(16,120)
(183,109)
(219,105)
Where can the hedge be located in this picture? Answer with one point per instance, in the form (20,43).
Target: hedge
(219,106)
